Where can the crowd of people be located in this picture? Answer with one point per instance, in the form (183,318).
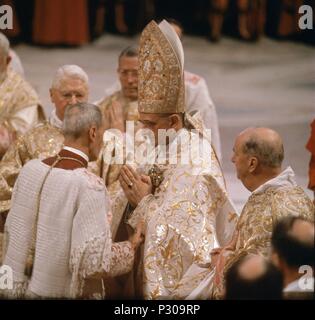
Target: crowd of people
(79,221)
(46,22)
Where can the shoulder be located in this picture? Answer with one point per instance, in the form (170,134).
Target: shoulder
(31,169)
(287,193)
(89,179)
(40,137)
(107,100)
(42,127)
(287,199)
(24,86)
(275,203)
(34,163)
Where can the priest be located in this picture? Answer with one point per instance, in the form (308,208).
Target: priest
(69,86)
(20,108)
(184,204)
(257,155)
(57,235)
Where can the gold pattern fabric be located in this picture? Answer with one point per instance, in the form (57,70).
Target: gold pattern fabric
(161,77)
(15,95)
(110,173)
(269,203)
(261,212)
(43,141)
(130,107)
(181,223)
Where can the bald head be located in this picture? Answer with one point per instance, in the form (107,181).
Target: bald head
(252,268)
(253,277)
(303,231)
(263,143)
(293,241)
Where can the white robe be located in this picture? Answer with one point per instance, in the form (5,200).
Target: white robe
(183,217)
(73,240)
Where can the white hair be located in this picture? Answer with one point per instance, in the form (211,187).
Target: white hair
(79,118)
(69,71)
(4,45)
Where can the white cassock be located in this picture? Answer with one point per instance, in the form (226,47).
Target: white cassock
(187,213)
(73,239)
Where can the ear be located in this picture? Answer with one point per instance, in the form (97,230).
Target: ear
(8,60)
(92,133)
(51,93)
(253,163)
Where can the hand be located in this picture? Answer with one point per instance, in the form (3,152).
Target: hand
(137,238)
(116,116)
(135,186)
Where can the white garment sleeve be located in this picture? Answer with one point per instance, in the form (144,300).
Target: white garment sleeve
(93,254)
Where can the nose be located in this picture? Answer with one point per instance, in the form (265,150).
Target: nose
(130,79)
(233,159)
(73,99)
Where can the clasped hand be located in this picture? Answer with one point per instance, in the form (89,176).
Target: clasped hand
(135,186)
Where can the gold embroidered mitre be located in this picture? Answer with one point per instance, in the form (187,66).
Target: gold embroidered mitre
(161,87)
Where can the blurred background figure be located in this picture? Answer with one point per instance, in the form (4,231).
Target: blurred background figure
(250,17)
(60,22)
(121,104)
(20,108)
(70,22)
(289,16)
(253,278)
(293,253)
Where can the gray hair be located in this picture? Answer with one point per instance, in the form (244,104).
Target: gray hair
(131,51)
(4,45)
(269,153)
(79,118)
(69,71)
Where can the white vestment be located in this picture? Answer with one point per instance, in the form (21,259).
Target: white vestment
(183,217)
(73,240)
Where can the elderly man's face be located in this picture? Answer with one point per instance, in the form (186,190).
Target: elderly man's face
(128,76)
(240,160)
(70,91)
(154,122)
